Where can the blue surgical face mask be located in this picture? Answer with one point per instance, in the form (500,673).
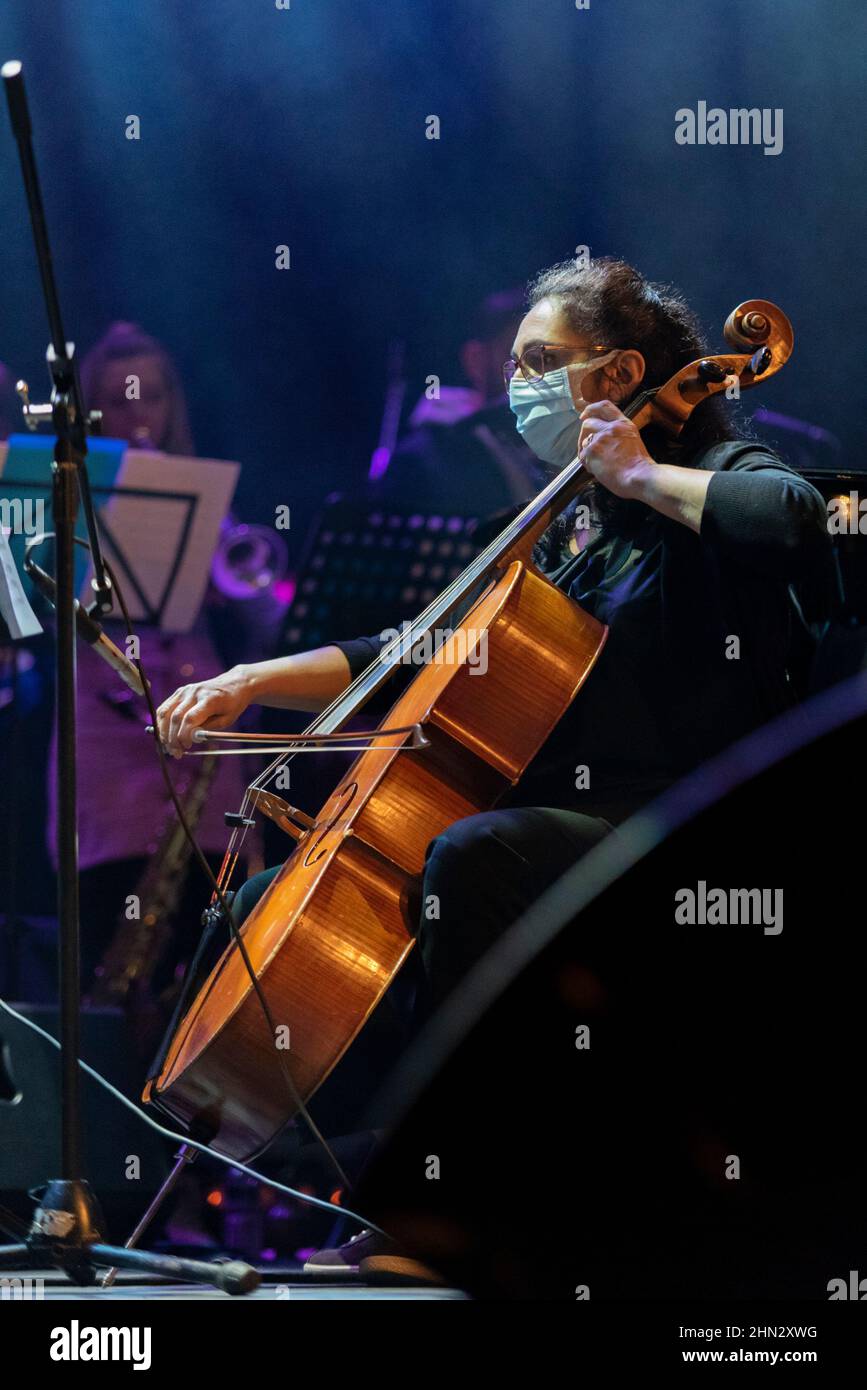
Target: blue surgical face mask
(547,416)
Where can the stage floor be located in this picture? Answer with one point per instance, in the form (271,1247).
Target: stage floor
(276,1285)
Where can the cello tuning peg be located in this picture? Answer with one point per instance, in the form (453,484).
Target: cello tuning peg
(760,361)
(709,370)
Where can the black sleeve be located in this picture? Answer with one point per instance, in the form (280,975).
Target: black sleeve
(360,651)
(762,515)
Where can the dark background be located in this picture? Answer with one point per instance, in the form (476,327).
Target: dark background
(306,126)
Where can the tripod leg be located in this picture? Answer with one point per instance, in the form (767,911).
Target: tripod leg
(65,1235)
(233,1277)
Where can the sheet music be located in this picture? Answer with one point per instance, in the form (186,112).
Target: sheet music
(149,530)
(14,606)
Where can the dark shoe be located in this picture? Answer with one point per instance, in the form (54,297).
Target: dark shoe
(345,1259)
(369,1255)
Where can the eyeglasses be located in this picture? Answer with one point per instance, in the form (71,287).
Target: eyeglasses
(540,358)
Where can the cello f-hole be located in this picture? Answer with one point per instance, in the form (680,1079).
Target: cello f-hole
(350,790)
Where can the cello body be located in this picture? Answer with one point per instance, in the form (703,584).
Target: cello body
(333,929)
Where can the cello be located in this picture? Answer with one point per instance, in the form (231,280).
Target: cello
(322,946)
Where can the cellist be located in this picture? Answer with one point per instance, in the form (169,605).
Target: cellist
(688,554)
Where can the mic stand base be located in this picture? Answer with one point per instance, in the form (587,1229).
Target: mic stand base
(65,1235)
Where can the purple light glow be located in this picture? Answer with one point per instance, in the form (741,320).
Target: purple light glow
(379,461)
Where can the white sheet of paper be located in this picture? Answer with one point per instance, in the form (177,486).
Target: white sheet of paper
(149,529)
(14,606)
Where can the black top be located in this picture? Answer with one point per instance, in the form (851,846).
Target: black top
(699,635)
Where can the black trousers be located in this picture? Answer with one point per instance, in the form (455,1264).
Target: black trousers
(480,875)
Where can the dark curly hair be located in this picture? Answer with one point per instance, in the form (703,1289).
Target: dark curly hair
(612,303)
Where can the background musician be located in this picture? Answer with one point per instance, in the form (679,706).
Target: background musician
(461,442)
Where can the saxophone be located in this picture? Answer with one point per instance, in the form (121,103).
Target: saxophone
(139,944)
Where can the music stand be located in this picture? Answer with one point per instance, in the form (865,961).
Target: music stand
(161,538)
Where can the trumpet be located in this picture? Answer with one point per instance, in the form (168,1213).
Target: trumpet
(249,561)
(250,569)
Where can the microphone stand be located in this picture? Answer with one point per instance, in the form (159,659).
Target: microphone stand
(66,1228)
